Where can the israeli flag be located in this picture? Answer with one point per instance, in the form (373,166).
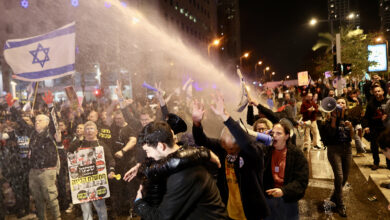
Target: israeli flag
(43,57)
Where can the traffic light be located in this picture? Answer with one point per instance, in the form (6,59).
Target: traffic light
(347,69)
(339,70)
(98,93)
(343,69)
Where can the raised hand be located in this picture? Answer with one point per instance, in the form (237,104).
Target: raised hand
(197,111)
(118,89)
(251,101)
(219,107)
(48,97)
(129,101)
(215,159)
(10,100)
(159,93)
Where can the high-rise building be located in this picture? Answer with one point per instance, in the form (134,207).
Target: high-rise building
(384,12)
(195,20)
(343,13)
(229,29)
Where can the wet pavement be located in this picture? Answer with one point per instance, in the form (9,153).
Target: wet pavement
(357,192)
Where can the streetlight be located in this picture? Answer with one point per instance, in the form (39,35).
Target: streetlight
(270,76)
(313,22)
(265,69)
(215,43)
(246,55)
(258,64)
(352,16)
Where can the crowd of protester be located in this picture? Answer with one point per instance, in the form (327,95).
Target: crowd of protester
(195,161)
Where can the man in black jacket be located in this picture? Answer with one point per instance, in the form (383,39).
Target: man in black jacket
(191,193)
(373,122)
(43,163)
(240,179)
(43,158)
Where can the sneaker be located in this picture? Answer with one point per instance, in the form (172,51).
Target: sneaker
(385,185)
(317,147)
(359,155)
(70,208)
(342,211)
(374,167)
(28,216)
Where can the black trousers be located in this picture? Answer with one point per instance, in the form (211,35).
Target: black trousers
(375,150)
(62,180)
(340,157)
(19,184)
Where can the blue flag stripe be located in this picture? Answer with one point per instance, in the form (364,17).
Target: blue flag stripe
(47,73)
(57,33)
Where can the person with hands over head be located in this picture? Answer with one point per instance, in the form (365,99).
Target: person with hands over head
(273,117)
(240,178)
(44,140)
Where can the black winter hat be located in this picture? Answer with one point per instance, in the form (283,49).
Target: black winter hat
(176,123)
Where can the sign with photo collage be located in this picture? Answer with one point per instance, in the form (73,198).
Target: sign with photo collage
(88,175)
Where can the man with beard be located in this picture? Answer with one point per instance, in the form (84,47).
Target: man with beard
(373,122)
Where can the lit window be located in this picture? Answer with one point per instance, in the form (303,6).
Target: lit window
(176,7)
(181,11)
(191,17)
(194,20)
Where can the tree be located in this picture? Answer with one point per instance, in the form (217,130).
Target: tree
(353,50)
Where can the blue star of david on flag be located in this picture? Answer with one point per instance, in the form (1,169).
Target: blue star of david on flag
(30,60)
(36,52)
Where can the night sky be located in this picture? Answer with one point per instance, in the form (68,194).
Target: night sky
(277,32)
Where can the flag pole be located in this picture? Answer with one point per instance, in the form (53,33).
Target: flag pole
(35,94)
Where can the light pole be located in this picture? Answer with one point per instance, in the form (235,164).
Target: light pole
(265,69)
(215,43)
(258,64)
(270,76)
(314,22)
(246,55)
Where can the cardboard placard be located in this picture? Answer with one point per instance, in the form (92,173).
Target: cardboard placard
(88,175)
(303,78)
(72,96)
